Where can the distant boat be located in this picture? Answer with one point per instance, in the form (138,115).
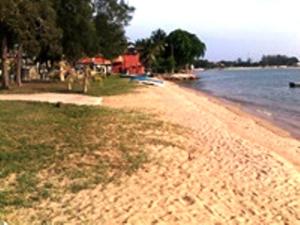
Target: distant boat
(294,84)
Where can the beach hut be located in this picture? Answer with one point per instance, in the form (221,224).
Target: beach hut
(128,63)
(100,64)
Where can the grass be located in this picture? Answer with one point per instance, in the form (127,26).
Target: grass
(48,151)
(113,85)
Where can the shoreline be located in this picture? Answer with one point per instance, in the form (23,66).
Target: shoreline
(259,120)
(239,108)
(223,167)
(242,123)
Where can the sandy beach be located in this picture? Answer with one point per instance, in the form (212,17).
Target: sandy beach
(235,169)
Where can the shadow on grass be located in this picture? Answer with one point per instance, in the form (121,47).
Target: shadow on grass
(112,85)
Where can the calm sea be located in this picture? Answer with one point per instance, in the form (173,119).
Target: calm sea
(264,92)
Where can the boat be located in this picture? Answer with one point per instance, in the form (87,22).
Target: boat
(128,75)
(294,84)
(148,81)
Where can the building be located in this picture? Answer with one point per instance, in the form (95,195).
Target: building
(99,63)
(128,63)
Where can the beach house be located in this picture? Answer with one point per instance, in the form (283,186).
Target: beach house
(128,63)
(100,64)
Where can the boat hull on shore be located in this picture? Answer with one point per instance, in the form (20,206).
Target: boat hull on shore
(294,84)
(148,81)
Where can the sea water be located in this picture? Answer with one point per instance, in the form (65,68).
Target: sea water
(265,92)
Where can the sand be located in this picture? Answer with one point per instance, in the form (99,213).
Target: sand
(235,170)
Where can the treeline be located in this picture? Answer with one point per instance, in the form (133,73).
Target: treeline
(162,52)
(278,60)
(268,60)
(47,30)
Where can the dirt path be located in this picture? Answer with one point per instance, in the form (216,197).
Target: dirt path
(234,172)
(75,99)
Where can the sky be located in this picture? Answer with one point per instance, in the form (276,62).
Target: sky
(230,28)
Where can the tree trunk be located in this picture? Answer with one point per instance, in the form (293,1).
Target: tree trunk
(5,76)
(19,67)
(187,68)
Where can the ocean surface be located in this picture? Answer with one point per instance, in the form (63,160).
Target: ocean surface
(264,92)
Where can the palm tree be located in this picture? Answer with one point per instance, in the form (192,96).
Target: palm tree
(152,48)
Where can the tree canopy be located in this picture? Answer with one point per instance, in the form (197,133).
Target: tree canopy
(70,27)
(185,47)
(278,60)
(266,60)
(50,29)
(162,52)
(152,49)
(111,18)
(29,23)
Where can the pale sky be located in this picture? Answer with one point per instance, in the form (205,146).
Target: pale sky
(230,28)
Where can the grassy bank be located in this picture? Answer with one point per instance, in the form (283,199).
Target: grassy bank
(112,85)
(48,151)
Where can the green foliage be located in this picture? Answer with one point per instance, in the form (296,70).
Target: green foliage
(152,49)
(162,53)
(111,18)
(115,11)
(278,60)
(268,60)
(30,24)
(111,37)
(75,19)
(185,47)
(48,28)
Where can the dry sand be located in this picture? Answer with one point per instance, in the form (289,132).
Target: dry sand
(235,171)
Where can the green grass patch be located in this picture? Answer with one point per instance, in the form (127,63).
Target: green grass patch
(47,151)
(113,85)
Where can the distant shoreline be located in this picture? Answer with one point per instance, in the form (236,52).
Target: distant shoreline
(261,67)
(248,68)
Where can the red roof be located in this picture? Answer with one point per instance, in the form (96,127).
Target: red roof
(128,62)
(97,60)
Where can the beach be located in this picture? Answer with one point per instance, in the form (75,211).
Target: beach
(235,169)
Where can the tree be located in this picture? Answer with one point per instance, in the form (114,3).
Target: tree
(278,60)
(111,37)
(37,32)
(47,29)
(90,27)
(75,18)
(49,35)
(111,18)
(6,34)
(185,47)
(25,24)
(152,49)
(115,11)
